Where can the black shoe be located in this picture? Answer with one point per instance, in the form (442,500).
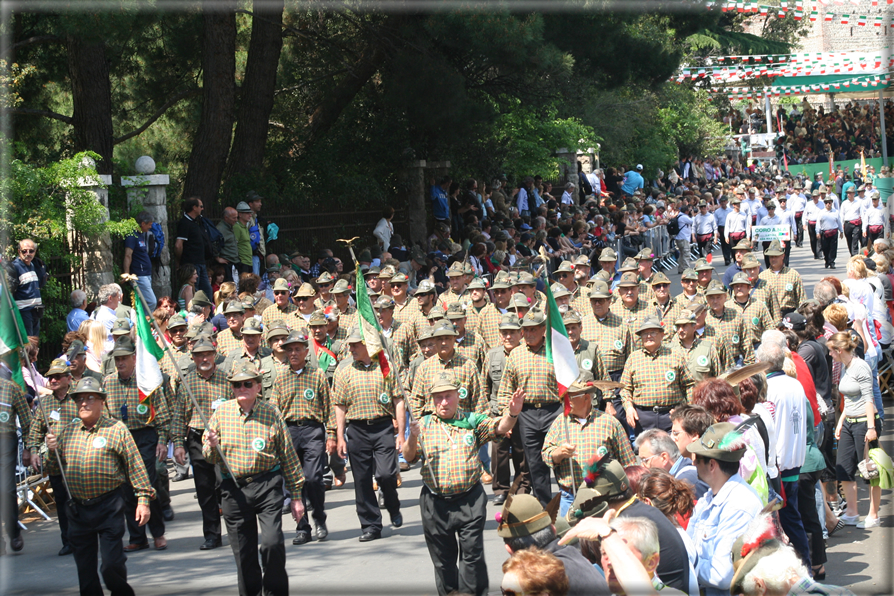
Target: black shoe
(168,514)
(16,544)
(381,500)
(397,520)
(66,550)
(370,536)
(179,477)
(301,537)
(321,533)
(500,499)
(831,266)
(211,544)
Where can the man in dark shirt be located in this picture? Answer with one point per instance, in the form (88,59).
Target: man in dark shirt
(136,257)
(191,243)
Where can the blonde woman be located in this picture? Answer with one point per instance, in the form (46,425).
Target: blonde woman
(222,296)
(97,337)
(858,426)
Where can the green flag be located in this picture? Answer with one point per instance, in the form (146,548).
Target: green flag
(12,334)
(369,323)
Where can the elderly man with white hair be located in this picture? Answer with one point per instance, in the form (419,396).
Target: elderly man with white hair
(567,196)
(657,449)
(109,298)
(787,398)
(774,569)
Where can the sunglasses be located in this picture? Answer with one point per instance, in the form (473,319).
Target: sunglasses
(28,251)
(84,398)
(561,275)
(241,384)
(280,292)
(325,286)
(56,377)
(302,298)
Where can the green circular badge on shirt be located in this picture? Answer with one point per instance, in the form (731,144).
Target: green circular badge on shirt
(384,398)
(4,416)
(99,442)
(309,394)
(735,338)
(619,345)
(755,321)
(142,409)
(789,287)
(258,444)
(469,439)
(702,360)
(588,364)
(463,392)
(670,376)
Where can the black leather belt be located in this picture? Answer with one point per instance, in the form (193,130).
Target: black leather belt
(99,499)
(303,422)
(539,405)
(456,497)
(246,480)
(372,421)
(657,409)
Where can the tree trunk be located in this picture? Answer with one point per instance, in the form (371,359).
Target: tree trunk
(256,96)
(91,92)
(212,141)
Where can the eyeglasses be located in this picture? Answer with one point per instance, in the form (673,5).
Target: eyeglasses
(562,275)
(241,384)
(280,292)
(28,251)
(648,459)
(89,398)
(57,377)
(325,286)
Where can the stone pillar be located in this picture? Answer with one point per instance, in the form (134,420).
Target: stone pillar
(97,258)
(416,196)
(149,190)
(568,173)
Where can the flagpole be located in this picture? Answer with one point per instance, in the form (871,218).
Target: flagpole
(13,308)
(132,279)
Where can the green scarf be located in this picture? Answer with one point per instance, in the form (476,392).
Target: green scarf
(469,422)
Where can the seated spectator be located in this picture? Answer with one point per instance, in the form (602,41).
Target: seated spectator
(534,573)
(657,450)
(78,313)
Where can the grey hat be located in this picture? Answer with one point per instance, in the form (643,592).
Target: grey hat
(244,370)
(121,327)
(177,321)
(252,327)
(203,344)
(234,307)
(201,298)
(509,321)
(456,310)
(242,207)
(533,318)
(123,347)
(275,329)
(444,329)
(355,336)
(425,287)
(295,337)
(88,385)
(77,348)
(650,322)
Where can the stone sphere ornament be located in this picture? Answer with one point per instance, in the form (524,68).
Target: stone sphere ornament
(144,165)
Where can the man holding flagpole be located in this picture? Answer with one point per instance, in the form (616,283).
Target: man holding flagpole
(136,397)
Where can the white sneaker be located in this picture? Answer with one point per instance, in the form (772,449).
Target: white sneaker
(850,520)
(869,523)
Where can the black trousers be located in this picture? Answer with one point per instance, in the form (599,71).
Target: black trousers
(853,234)
(100,525)
(814,243)
(454,532)
(704,247)
(790,516)
(9,504)
(206,477)
(810,517)
(533,424)
(871,236)
(799,229)
(649,419)
(371,449)
(724,246)
(829,245)
(504,451)
(247,509)
(146,440)
(60,495)
(309,441)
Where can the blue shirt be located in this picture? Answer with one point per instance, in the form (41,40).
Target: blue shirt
(140,265)
(439,198)
(75,318)
(683,469)
(632,182)
(717,521)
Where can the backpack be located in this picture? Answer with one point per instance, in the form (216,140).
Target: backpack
(213,236)
(673,226)
(155,240)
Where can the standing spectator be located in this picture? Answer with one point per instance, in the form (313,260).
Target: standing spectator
(385,229)
(633,181)
(229,250)
(109,298)
(243,237)
(683,238)
(440,202)
(26,279)
(191,244)
(78,313)
(256,227)
(136,258)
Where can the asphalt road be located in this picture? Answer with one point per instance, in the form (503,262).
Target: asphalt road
(396,564)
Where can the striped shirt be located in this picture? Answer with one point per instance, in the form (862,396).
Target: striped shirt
(100,459)
(304,395)
(587,435)
(254,443)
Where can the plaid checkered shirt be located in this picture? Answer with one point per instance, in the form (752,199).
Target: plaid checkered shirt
(756,319)
(254,443)
(530,370)
(655,380)
(731,328)
(404,313)
(788,287)
(13,402)
(721,344)
(59,413)
(632,316)
(472,347)
(452,466)
(580,300)
(701,358)
(449,297)
(489,325)
(304,395)
(599,429)
(764,292)
(346,321)
(589,358)
(210,393)
(123,400)
(100,459)
(682,300)
(363,392)
(227,342)
(612,337)
(169,366)
(274,313)
(471,394)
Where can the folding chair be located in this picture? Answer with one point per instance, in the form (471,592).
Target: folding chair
(885,372)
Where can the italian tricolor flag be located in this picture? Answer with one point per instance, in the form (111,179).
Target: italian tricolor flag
(558,349)
(148,354)
(369,324)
